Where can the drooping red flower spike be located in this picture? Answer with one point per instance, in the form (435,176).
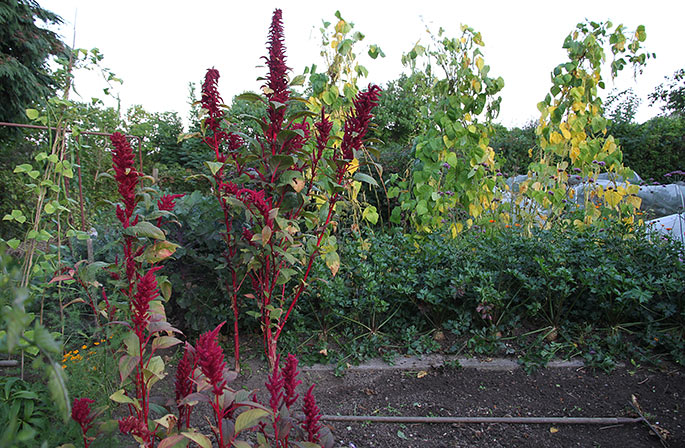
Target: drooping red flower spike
(210,102)
(276,87)
(210,358)
(323,131)
(312,416)
(125,175)
(274,385)
(133,425)
(184,383)
(290,381)
(80,413)
(357,124)
(147,291)
(167,203)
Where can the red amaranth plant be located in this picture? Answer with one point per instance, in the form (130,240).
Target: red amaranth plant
(276,174)
(81,414)
(148,329)
(185,377)
(290,381)
(126,177)
(167,203)
(312,416)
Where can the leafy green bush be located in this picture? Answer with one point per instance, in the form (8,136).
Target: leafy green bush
(554,283)
(653,148)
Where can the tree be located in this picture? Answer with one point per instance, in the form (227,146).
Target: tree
(25,49)
(672,93)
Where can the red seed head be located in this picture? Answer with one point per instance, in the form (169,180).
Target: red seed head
(290,381)
(80,412)
(168,201)
(312,416)
(125,175)
(140,303)
(210,358)
(357,124)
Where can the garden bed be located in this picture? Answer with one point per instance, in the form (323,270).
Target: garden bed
(474,392)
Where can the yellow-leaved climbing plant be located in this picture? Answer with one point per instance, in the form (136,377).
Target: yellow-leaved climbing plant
(574,146)
(456,181)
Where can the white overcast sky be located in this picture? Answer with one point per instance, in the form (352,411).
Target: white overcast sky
(158,47)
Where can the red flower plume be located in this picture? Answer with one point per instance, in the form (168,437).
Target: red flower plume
(210,358)
(276,87)
(358,123)
(125,175)
(140,303)
(312,416)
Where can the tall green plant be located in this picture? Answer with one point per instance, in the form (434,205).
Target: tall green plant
(455,179)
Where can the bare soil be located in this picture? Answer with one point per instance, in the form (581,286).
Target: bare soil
(454,391)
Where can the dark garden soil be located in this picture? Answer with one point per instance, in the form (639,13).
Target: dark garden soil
(453,391)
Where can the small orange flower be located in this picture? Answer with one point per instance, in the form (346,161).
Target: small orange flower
(669,228)
(96,343)
(507,226)
(492,220)
(83,347)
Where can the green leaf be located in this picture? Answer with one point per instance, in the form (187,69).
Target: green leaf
(241,444)
(49,208)
(249,96)
(365,178)
(13,243)
(198,438)
(297,80)
(175,441)
(214,167)
(33,114)
(23,168)
(249,418)
(126,365)
(120,397)
(370,214)
(145,229)
(163,342)
(159,251)
(333,262)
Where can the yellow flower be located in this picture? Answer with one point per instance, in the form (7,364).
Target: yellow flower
(64,366)
(96,343)
(83,347)
(76,352)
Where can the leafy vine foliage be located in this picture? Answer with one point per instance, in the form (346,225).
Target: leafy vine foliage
(455,179)
(572,132)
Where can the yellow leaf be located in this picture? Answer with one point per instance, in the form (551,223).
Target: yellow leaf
(556,138)
(564,131)
(553,430)
(421,374)
(354,166)
(480,63)
(575,152)
(474,210)
(635,201)
(612,198)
